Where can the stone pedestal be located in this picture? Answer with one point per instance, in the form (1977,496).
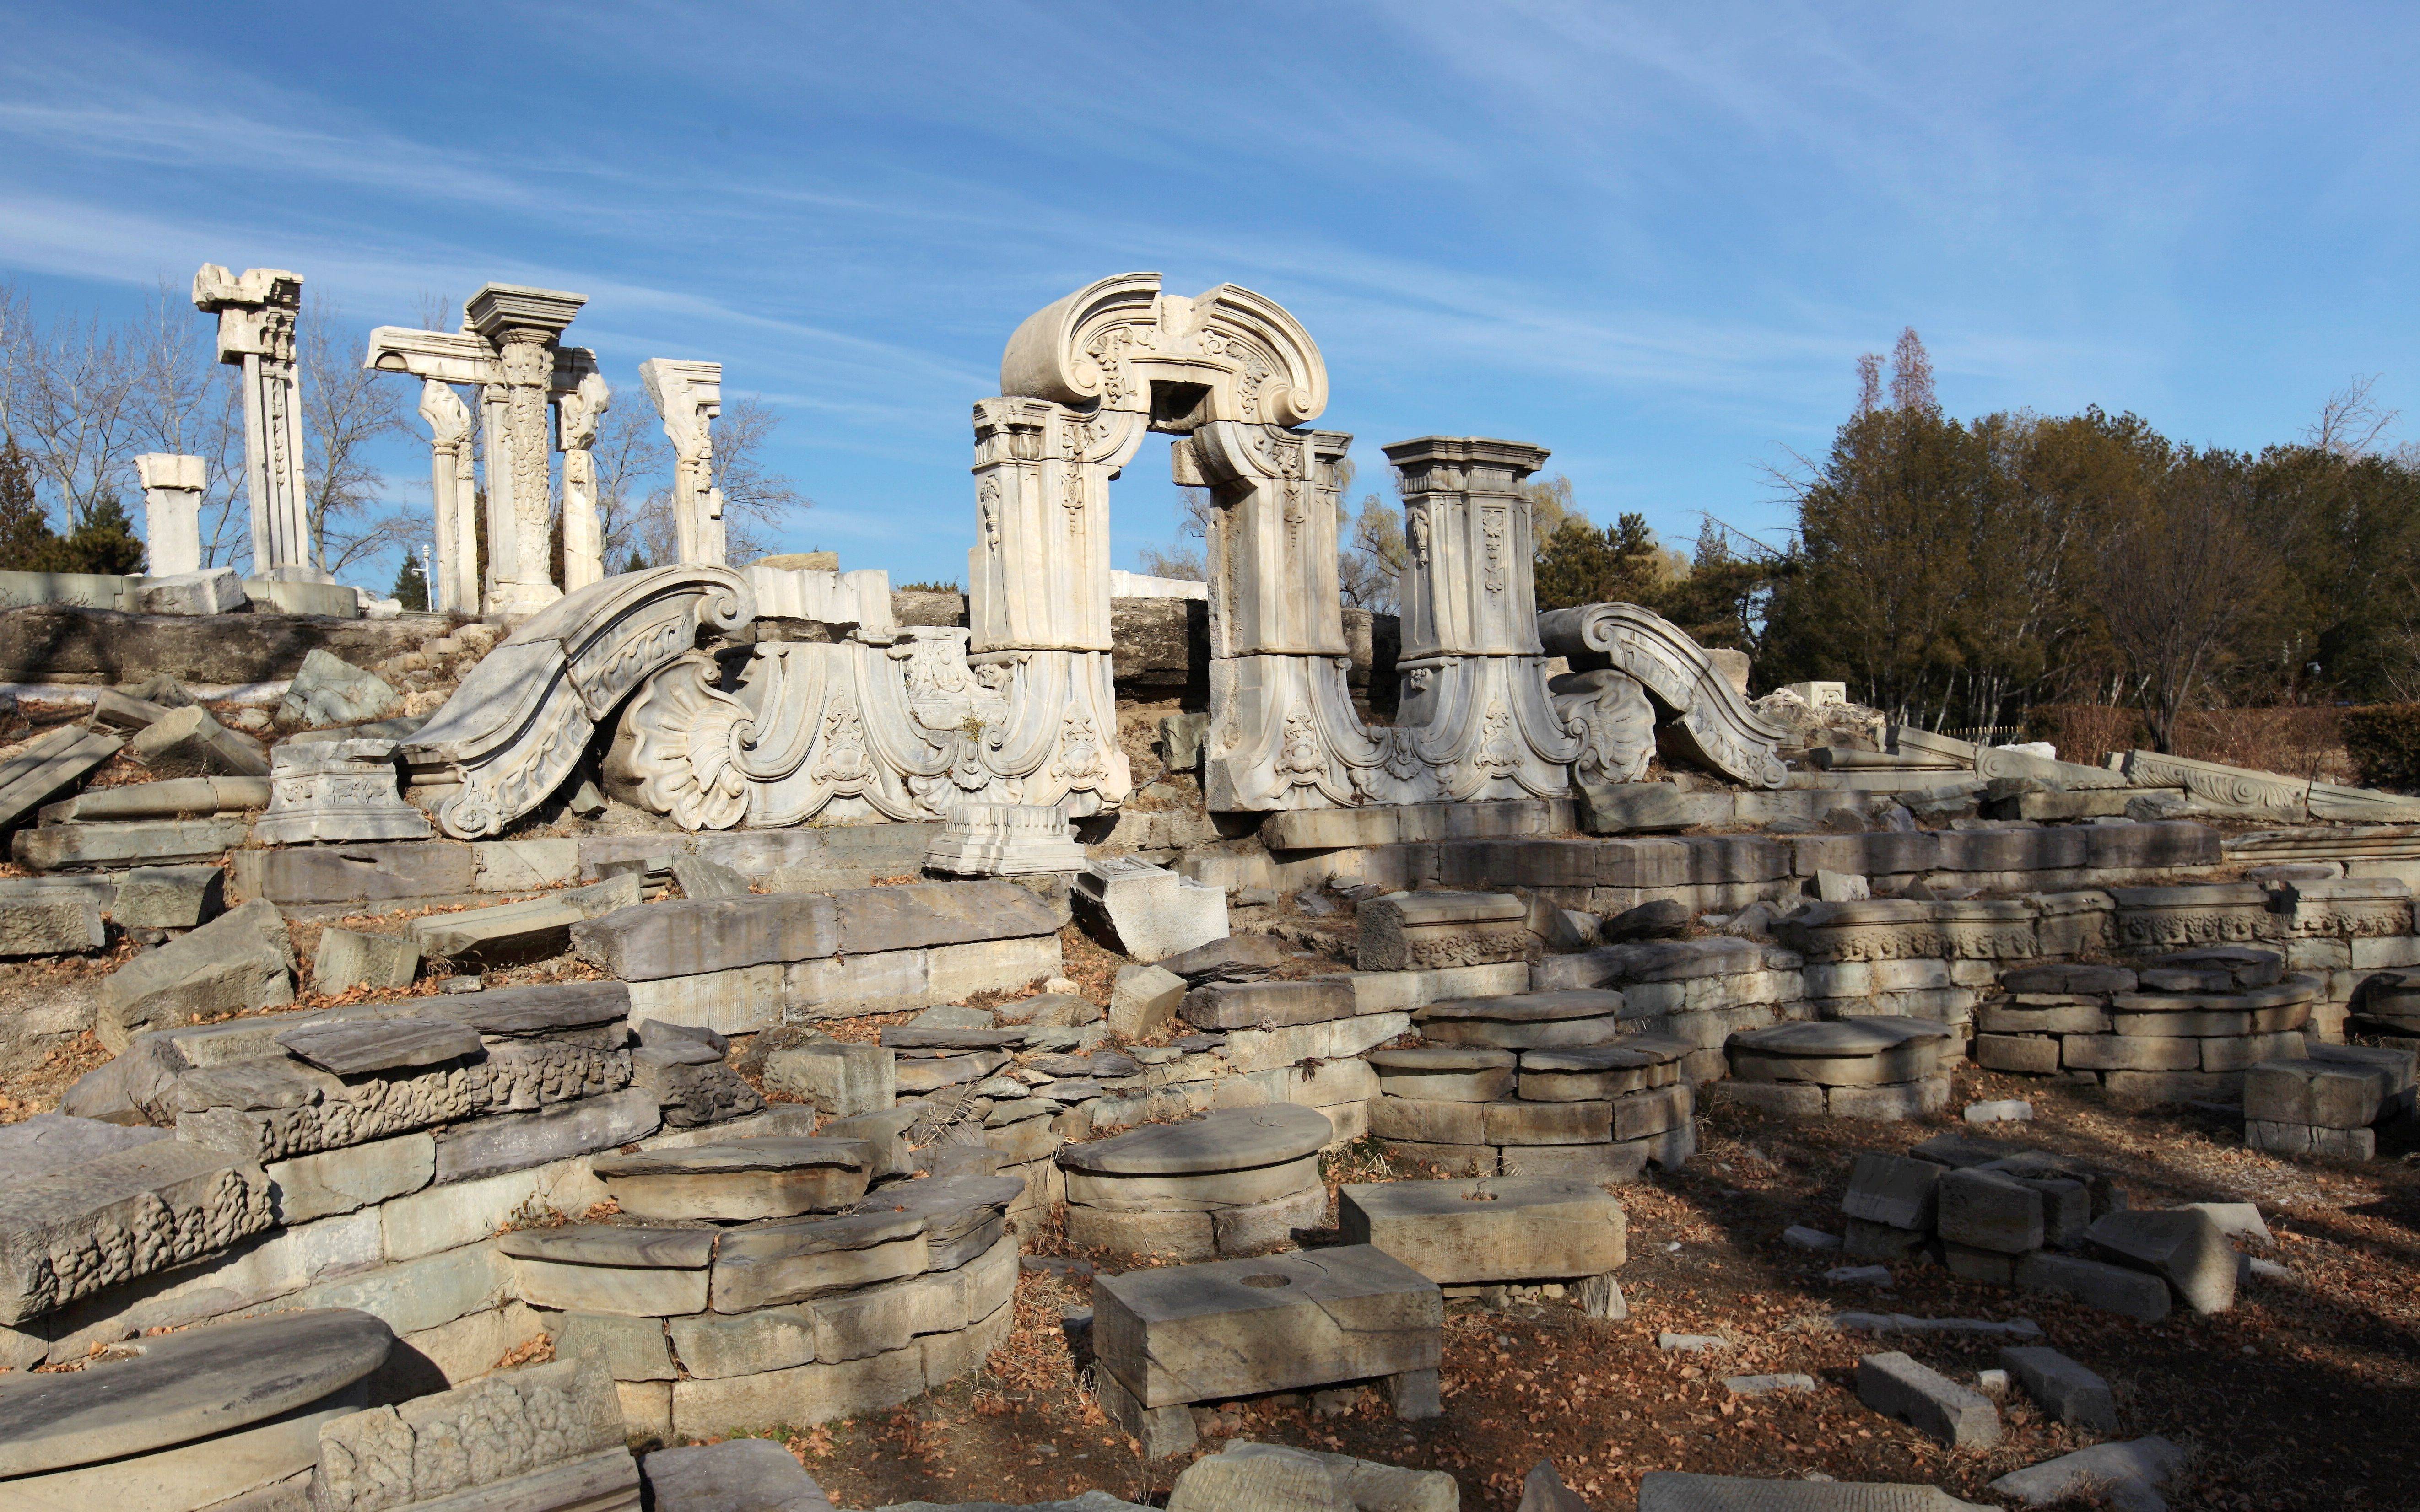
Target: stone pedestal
(337,790)
(998,839)
(689,396)
(172,511)
(256,314)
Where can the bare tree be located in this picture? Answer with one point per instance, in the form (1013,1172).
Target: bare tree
(1870,383)
(1910,384)
(634,464)
(756,500)
(346,410)
(1370,569)
(190,403)
(67,398)
(2178,582)
(2351,423)
(1181,561)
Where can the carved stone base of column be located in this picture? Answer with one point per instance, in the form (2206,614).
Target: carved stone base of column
(999,840)
(337,790)
(1484,728)
(1284,736)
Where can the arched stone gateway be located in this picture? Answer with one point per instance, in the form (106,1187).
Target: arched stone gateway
(1018,708)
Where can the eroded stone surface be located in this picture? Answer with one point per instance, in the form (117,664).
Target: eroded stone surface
(1233,1139)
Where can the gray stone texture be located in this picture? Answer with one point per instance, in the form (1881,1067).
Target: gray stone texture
(2066,1390)
(39,919)
(736,1475)
(2181,1244)
(167,897)
(514,1141)
(327,689)
(1897,1386)
(243,959)
(1503,1229)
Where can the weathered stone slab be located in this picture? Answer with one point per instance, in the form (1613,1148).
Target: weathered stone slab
(1926,1400)
(1895,929)
(1228,1140)
(744,1179)
(348,959)
(960,1212)
(513,1141)
(2130,1474)
(42,920)
(1414,931)
(799,1397)
(1859,1051)
(347,1179)
(793,1260)
(49,763)
(936,914)
(511,933)
(1246,1005)
(839,1078)
(1149,910)
(542,1008)
(2066,1390)
(1672,1490)
(242,958)
(82,1228)
(1196,1192)
(414,1455)
(2111,1288)
(1504,1228)
(1236,1328)
(736,1475)
(1893,1190)
(608,1267)
(296,876)
(354,1047)
(687,937)
(185,1386)
(1988,1210)
(49,1142)
(1634,1063)
(2328,1094)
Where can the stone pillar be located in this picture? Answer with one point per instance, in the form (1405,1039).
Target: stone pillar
(455,589)
(576,414)
(1475,706)
(1038,574)
(172,511)
(523,326)
(256,314)
(689,396)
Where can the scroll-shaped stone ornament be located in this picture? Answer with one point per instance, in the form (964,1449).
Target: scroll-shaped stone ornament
(1703,710)
(517,725)
(1614,719)
(2237,787)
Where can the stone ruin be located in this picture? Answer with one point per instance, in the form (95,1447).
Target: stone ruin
(607,889)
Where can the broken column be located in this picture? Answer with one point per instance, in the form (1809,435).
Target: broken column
(172,511)
(256,315)
(689,396)
(452,490)
(523,326)
(576,414)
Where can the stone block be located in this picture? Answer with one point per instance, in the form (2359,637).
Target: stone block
(1894,1103)
(47,764)
(1866,1239)
(347,1179)
(1546,1123)
(1183,1237)
(694,936)
(934,914)
(1245,1005)
(168,897)
(1279,1223)
(348,959)
(1617,1160)
(2182,1245)
(1143,1001)
(1519,1228)
(2128,1475)
(1150,912)
(1452,1160)
(1982,1266)
(2032,1053)
(740,1001)
(1798,1099)
(39,919)
(1236,1328)
(1990,1211)
(1893,1190)
(2332,1096)
(2113,1052)
(1895,1385)
(1417,930)
(794,1260)
(736,1475)
(243,959)
(630,1347)
(300,875)
(190,739)
(2066,1390)
(840,1078)
(330,690)
(2110,1288)
(69,1232)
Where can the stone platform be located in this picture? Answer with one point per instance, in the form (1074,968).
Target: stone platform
(1229,1182)
(1599,1110)
(1883,1068)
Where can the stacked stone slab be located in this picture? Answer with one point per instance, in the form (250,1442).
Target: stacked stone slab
(713,1318)
(189,1420)
(2183,1025)
(2342,932)
(1231,1182)
(1535,1084)
(1165,1339)
(1702,991)
(1416,931)
(548,1438)
(2331,1101)
(1884,1067)
(2038,1222)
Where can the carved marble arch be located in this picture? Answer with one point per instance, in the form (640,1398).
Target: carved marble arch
(1122,345)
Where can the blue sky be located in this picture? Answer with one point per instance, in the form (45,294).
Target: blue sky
(1652,238)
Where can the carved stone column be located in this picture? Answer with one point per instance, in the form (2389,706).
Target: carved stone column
(1475,708)
(256,314)
(576,414)
(172,511)
(451,491)
(1283,733)
(523,326)
(688,396)
(1038,574)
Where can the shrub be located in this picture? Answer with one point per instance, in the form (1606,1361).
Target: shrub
(2384,741)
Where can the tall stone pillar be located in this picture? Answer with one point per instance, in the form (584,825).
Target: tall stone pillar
(523,326)
(1475,707)
(256,314)
(172,511)
(452,492)
(689,396)
(576,414)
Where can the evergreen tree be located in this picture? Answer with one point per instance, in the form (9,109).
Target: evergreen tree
(1580,565)
(27,543)
(105,541)
(638,563)
(411,585)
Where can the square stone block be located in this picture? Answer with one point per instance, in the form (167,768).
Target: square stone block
(1505,1228)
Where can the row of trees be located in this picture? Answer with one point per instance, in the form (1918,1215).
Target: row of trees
(1958,573)
(81,398)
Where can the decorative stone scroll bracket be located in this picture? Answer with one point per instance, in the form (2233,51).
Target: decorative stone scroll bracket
(2241,788)
(1702,713)
(520,723)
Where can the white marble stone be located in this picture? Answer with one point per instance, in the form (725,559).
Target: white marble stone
(172,511)
(998,839)
(336,790)
(257,313)
(689,396)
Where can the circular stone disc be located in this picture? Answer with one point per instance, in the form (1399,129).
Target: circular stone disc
(204,1381)
(776,1154)
(1839,1038)
(1233,1140)
(1625,1054)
